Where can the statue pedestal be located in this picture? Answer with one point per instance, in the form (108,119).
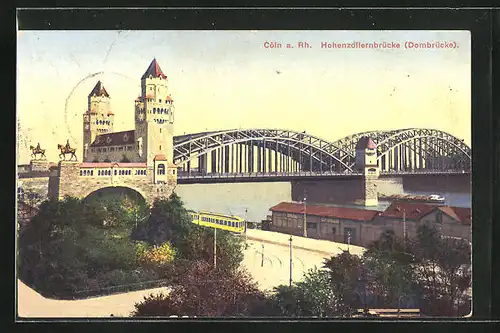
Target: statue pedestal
(39,165)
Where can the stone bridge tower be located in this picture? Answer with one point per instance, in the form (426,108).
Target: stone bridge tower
(98,119)
(154,117)
(366,162)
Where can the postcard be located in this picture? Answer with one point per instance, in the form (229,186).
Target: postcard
(246,173)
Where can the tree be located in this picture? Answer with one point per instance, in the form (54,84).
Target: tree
(30,197)
(345,272)
(170,222)
(389,273)
(443,272)
(67,249)
(155,255)
(205,292)
(311,297)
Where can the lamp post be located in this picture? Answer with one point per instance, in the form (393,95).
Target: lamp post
(404,230)
(291,261)
(215,248)
(348,240)
(246,218)
(262,260)
(305,216)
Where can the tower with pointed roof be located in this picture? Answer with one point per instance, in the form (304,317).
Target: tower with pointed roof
(366,163)
(154,117)
(98,118)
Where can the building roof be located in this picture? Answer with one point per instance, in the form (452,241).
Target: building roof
(327,211)
(99,90)
(112,165)
(412,210)
(154,70)
(160,157)
(365,142)
(169,98)
(461,214)
(114,139)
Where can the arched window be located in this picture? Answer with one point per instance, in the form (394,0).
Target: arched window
(154,110)
(161,169)
(98,172)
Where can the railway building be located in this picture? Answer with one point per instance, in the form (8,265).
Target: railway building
(361,227)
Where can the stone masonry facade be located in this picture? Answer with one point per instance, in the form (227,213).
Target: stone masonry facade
(77,181)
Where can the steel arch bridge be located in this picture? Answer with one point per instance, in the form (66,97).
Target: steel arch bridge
(268,151)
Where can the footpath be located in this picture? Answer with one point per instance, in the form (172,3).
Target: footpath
(319,246)
(32,304)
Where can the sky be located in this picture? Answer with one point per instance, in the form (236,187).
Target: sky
(228,79)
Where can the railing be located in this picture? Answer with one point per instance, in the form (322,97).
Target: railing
(198,175)
(423,172)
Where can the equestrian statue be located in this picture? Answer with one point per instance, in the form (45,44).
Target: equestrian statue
(37,150)
(66,149)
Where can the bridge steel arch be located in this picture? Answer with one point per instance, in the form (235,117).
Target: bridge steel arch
(417,148)
(307,151)
(398,150)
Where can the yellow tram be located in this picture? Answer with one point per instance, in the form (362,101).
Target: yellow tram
(225,222)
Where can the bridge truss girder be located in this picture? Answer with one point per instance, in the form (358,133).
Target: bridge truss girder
(405,149)
(308,151)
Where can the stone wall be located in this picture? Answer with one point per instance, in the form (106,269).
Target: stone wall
(39,165)
(73,184)
(370,190)
(38,185)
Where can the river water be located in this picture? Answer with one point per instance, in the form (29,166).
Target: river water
(257,198)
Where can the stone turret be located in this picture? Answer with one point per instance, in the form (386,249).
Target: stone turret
(154,116)
(98,118)
(366,162)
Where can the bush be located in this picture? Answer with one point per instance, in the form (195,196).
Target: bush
(204,291)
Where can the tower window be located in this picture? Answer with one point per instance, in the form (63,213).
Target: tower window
(160,147)
(160,130)
(160,100)
(161,169)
